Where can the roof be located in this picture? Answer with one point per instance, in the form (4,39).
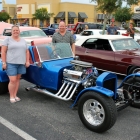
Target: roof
(109,37)
(25,28)
(93,30)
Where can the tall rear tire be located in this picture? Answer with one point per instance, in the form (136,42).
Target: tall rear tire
(3,87)
(134,91)
(97,112)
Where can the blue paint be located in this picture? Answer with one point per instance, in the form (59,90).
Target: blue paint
(50,75)
(100,90)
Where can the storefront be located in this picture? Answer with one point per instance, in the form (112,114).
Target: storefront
(70,12)
(136,15)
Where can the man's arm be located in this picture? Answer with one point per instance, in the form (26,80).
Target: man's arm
(132,30)
(108,30)
(53,39)
(73,48)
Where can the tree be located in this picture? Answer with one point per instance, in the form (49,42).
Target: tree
(42,14)
(108,7)
(123,14)
(4,16)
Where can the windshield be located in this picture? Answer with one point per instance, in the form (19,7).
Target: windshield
(33,33)
(29,33)
(54,51)
(125,44)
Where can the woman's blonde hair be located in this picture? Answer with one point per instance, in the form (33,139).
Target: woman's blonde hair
(15,26)
(86,27)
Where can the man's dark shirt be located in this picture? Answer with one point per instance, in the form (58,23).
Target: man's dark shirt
(67,38)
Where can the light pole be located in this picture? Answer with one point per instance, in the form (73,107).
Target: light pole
(1,5)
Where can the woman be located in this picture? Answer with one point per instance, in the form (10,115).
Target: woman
(15,58)
(86,27)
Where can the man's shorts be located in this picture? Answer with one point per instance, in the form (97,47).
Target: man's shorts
(15,69)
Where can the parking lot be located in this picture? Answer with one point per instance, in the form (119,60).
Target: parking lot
(40,117)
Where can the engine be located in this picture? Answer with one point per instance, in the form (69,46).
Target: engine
(82,73)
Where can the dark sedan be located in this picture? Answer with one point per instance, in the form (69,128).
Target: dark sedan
(119,54)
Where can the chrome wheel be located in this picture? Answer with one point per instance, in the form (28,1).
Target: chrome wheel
(93,112)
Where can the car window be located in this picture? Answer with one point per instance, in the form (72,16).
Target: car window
(98,44)
(89,41)
(86,33)
(32,33)
(54,26)
(7,32)
(125,44)
(72,26)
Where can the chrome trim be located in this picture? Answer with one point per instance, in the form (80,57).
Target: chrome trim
(112,71)
(62,94)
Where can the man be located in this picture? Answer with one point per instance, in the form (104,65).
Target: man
(63,36)
(112,30)
(131,30)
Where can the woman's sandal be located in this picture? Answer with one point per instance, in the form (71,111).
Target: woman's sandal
(17,99)
(12,100)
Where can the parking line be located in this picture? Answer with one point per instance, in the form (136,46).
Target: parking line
(15,129)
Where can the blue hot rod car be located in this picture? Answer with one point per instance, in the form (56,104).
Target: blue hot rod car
(54,71)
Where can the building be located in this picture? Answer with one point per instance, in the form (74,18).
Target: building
(11,9)
(136,16)
(67,11)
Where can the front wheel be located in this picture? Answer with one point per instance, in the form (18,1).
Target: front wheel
(97,112)
(133,88)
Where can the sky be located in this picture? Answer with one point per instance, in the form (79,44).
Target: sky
(77,1)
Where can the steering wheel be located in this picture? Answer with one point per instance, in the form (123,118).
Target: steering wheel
(55,53)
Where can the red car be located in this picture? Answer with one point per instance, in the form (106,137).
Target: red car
(70,26)
(116,53)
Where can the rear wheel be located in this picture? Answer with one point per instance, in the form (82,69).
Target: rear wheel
(3,87)
(97,112)
(134,90)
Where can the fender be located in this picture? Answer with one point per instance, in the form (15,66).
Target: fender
(3,75)
(98,89)
(129,76)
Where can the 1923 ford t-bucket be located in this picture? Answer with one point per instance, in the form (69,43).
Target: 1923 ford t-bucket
(55,72)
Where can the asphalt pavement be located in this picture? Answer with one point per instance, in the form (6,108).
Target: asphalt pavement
(40,117)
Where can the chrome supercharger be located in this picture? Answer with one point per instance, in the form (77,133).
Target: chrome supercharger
(81,72)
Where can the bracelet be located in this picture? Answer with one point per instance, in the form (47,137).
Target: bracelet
(3,63)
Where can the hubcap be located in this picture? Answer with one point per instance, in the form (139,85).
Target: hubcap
(93,112)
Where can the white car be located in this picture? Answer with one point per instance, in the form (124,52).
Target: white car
(90,32)
(136,36)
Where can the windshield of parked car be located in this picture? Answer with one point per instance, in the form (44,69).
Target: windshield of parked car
(54,51)
(125,44)
(28,33)
(32,33)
